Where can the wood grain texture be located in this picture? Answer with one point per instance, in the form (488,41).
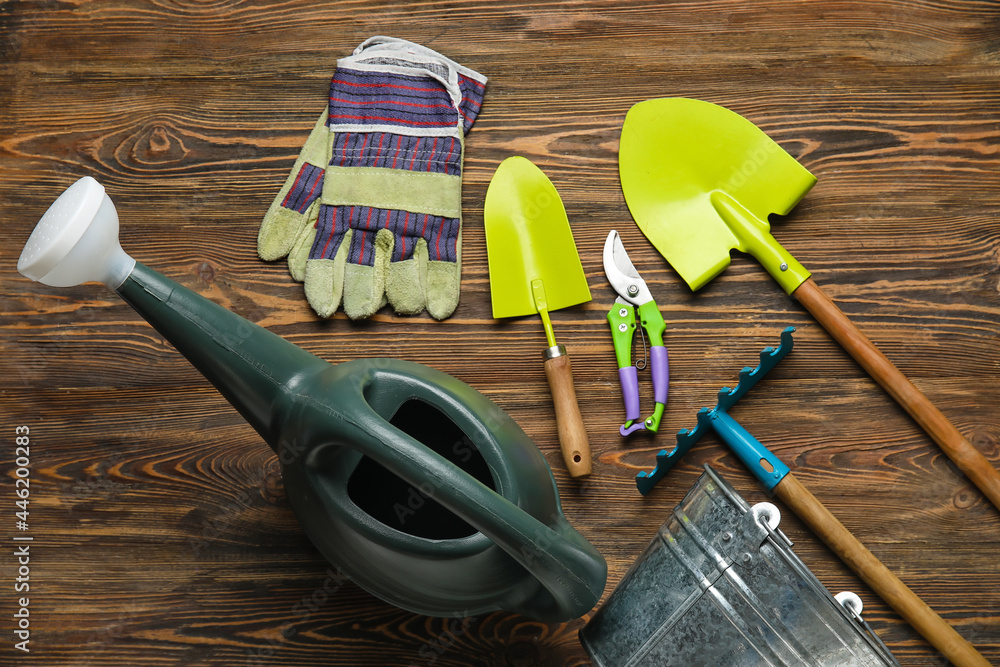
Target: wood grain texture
(974,465)
(163,535)
(873,572)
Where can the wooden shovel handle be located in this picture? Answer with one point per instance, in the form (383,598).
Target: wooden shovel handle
(887,585)
(968,459)
(569,422)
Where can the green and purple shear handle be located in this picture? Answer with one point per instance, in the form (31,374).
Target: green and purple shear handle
(634,294)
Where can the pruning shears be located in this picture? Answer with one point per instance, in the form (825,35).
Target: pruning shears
(634,294)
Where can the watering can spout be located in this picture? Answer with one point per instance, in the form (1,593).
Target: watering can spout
(76,241)
(250,366)
(354,437)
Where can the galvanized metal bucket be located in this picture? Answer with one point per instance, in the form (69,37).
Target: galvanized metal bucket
(720,585)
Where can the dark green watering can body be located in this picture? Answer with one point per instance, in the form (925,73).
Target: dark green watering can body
(418,487)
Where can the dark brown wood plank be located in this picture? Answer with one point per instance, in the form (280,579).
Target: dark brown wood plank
(164,536)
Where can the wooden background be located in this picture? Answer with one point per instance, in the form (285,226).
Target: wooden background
(162,532)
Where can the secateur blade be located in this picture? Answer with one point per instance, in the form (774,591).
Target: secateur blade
(621,272)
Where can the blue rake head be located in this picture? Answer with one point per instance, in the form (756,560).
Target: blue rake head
(749,377)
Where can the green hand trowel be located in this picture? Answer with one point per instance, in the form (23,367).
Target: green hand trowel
(701,180)
(535,268)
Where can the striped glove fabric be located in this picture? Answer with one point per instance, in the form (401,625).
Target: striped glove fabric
(371,212)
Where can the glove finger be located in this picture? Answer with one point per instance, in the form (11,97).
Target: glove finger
(365,272)
(324,279)
(406,282)
(300,251)
(443,268)
(281,228)
(328,253)
(295,206)
(332,226)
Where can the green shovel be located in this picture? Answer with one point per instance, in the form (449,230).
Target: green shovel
(700,181)
(535,268)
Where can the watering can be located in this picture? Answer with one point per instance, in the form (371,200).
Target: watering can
(418,487)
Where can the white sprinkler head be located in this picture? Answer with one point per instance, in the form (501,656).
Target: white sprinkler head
(76,241)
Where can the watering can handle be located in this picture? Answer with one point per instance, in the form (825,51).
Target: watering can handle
(253,367)
(556,555)
(968,459)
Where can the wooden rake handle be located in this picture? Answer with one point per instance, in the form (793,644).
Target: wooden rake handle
(569,422)
(887,585)
(968,459)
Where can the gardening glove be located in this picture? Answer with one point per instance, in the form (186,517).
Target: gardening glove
(371,211)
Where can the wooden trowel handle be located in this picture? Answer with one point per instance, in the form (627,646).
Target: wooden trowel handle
(887,585)
(969,460)
(569,422)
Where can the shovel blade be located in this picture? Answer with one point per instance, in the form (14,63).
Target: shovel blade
(534,264)
(684,162)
